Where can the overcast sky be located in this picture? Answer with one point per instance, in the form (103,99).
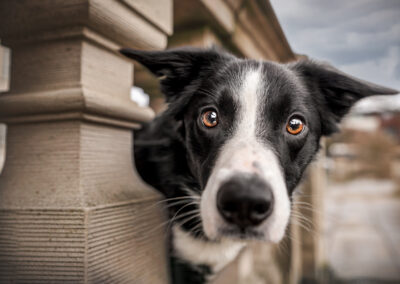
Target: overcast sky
(360,37)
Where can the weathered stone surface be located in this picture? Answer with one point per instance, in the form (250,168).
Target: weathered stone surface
(72,207)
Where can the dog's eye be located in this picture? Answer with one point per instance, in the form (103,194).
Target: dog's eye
(295,126)
(209,118)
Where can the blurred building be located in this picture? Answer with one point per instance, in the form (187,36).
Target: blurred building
(361,228)
(371,129)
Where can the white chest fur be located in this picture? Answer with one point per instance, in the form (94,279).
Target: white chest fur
(214,254)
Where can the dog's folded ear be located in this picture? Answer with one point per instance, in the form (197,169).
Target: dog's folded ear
(333,91)
(178,68)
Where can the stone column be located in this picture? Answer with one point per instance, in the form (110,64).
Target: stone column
(72,207)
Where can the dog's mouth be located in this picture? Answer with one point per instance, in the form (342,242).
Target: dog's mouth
(241,234)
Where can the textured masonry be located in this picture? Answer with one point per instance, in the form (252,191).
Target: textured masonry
(72,207)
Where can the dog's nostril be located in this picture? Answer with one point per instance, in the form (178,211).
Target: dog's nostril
(245,201)
(261,207)
(260,211)
(228,208)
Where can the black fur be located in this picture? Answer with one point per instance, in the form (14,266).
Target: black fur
(174,153)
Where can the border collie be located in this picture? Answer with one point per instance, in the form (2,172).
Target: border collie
(232,145)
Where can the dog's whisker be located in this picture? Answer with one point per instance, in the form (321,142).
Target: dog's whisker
(191,192)
(298,212)
(179,220)
(160,204)
(198,227)
(295,240)
(180,209)
(167,202)
(300,224)
(167,223)
(172,204)
(177,217)
(181,223)
(305,228)
(303,219)
(198,232)
(302,203)
(309,207)
(304,223)
(186,214)
(283,246)
(177,198)
(301,216)
(183,207)
(319,212)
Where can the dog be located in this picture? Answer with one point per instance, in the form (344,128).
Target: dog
(233,144)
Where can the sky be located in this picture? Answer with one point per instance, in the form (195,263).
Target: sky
(360,37)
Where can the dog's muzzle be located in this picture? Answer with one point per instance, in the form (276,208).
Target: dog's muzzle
(245,196)
(245,201)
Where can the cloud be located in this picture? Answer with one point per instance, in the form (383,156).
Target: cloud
(384,69)
(361,37)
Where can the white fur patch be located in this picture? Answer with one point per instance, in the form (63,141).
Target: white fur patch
(249,105)
(239,155)
(197,251)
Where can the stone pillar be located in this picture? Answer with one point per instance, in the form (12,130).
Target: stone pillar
(72,207)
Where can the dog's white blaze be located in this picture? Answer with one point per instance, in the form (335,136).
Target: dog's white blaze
(197,251)
(249,101)
(238,156)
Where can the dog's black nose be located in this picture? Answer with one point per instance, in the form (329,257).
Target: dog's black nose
(245,201)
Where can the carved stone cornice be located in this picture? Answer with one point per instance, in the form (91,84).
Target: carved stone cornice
(65,57)
(246,27)
(126,22)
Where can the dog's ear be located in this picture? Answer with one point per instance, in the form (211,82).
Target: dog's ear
(333,91)
(178,68)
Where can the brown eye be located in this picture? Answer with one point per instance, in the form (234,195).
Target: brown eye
(209,118)
(295,126)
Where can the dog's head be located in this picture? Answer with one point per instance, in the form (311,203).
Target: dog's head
(250,129)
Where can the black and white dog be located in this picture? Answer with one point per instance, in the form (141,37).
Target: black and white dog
(233,144)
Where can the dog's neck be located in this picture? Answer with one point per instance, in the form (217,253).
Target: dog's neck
(202,254)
